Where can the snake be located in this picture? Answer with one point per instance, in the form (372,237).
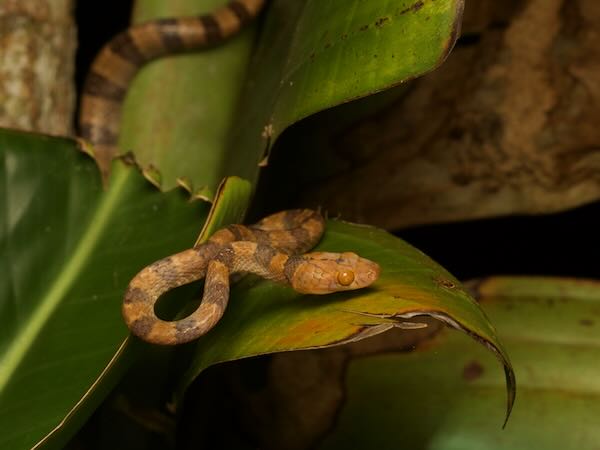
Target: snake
(120,59)
(274,249)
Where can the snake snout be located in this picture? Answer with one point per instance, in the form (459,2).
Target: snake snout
(368,272)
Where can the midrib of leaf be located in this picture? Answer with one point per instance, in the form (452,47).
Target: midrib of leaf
(56,292)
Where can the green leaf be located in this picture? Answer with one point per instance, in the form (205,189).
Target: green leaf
(230,203)
(263,317)
(311,55)
(447,394)
(179,109)
(72,247)
(314,55)
(69,250)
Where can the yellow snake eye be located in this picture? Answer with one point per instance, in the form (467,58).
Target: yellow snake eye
(345,278)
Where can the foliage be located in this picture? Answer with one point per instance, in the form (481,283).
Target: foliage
(72,246)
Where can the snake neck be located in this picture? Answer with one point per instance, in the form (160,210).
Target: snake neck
(262,260)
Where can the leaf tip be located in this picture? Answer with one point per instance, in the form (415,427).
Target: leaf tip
(511,391)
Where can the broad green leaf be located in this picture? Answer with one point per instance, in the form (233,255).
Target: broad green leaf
(229,206)
(447,394)
(263,317)
(180,108)
(313,55)
(69,248)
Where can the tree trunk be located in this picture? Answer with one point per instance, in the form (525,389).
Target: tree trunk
(37,43)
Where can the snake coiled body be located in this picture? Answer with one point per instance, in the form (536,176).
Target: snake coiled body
(271,249)
(119,61)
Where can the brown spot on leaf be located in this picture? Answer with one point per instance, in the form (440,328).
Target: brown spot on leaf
(445,283)
(417,6)
(381,21)
(413,8)
(472,371)
(586,322)
(364,28)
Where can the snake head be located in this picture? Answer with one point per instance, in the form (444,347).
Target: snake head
(324,273)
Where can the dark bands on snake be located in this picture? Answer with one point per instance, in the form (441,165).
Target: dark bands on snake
(268,249)
(274,248)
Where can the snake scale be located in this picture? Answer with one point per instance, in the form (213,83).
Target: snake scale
(274,248)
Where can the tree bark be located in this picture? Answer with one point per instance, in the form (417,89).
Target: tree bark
(37,43)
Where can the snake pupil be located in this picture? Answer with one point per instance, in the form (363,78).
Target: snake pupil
(345,278)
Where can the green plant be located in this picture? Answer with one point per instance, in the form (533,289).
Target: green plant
(72,246)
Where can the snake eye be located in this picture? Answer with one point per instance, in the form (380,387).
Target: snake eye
(345,278)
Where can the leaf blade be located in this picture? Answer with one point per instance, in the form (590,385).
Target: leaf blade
(313,55)
(71,250)
(264,318)
(179,138)
(554,354)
